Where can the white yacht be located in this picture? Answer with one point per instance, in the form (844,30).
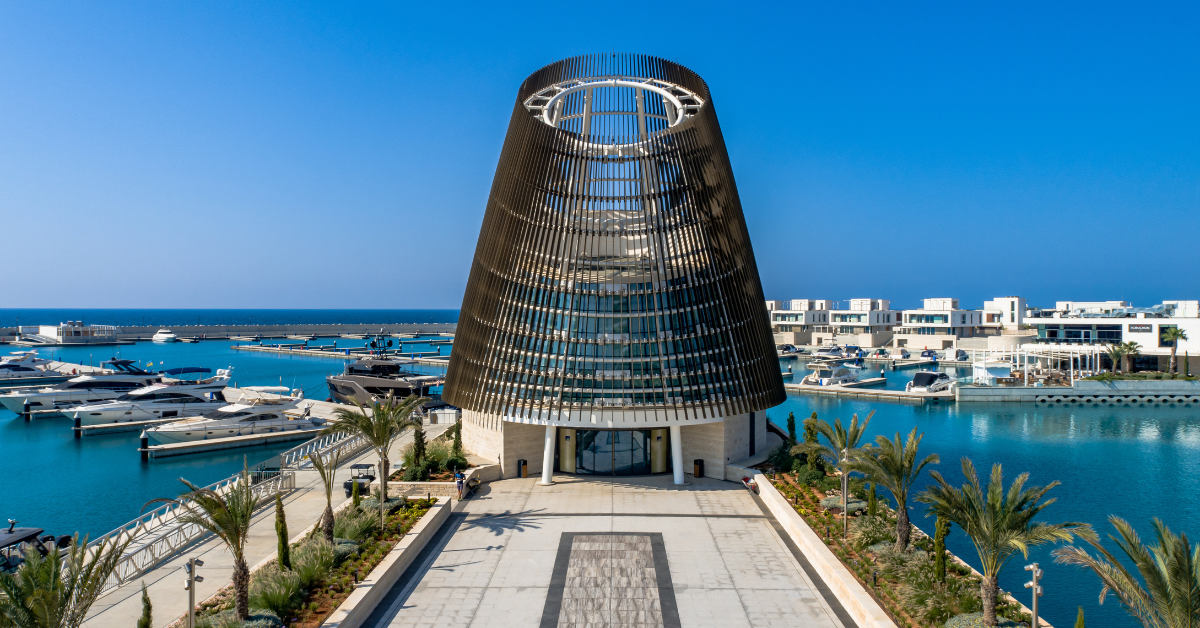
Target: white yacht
(118,378)
(829,352)
(24,365)
(253,416)
(164,335)
(827,374)
(929,381)
(159,401)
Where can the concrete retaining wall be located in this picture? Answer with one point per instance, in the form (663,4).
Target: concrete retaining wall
(368,593)
(1089,391)
(854,598)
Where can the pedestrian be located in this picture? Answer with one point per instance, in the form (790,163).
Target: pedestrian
(459,478)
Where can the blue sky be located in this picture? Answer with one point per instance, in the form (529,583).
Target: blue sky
(340,154)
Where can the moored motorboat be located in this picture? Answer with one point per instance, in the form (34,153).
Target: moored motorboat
(164,335)
(378,377)
(929,382)
(118,378)
(250,416)
(829,374)
(162,400)
(25,368)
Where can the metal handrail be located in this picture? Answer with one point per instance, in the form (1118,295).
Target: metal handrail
(158,535)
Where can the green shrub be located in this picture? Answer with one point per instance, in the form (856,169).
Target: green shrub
(343,549)
(854,505)
(829,483)
(781,458)
(421,472)
(357,524)
(259,618)
(371,505)
(805,474)
(867,531)
(313,560)
(975,620)
(438,452)
(456,463)
(275,590)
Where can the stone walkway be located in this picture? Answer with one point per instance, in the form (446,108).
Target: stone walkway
(121,607)
(586,552)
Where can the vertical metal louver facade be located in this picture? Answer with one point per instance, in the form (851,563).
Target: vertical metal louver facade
(613,269)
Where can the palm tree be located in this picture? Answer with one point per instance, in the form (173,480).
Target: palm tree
(380,427)
(326,467)
(1170,569)
(1173,335)
(227,516)
(1132,350)
(1116,353)
(893,463)
(58,589)
(842,450)
(999,524)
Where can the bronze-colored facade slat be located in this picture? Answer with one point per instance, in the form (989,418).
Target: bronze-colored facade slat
(611,205)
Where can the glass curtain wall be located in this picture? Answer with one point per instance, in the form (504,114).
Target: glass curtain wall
(614,452)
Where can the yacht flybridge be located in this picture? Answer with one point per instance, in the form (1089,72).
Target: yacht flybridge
(118,378)
(163,400)
(25,365)
(249,416)
(378,377)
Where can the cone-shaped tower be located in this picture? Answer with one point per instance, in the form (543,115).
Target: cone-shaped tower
(613,286)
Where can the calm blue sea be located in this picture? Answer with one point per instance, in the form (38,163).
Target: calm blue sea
(1136,462)
(10,317)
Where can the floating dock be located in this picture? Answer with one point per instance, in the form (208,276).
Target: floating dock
(428,358)
(857,390)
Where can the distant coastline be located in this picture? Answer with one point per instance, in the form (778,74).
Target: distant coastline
(9,317)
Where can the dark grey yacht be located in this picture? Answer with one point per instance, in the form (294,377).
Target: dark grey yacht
(378,377)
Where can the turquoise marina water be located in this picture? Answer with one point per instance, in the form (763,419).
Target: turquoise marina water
(1136,462)
(95,484)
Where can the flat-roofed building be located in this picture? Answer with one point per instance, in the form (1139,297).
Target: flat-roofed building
(863,323)
(939,324)
(794,321)
(1100,323)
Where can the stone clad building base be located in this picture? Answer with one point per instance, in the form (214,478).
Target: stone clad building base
(717,443)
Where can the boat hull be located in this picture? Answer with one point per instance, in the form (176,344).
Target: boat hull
(178,435)
(128,414)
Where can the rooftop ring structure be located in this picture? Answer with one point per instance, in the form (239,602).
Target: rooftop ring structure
(613,285)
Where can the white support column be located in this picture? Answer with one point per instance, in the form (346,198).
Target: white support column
(548,457)
(677,455)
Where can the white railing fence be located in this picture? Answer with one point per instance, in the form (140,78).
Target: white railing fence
(158,535)
(298,457)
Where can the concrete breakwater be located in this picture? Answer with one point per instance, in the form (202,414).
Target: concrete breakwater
(144,332)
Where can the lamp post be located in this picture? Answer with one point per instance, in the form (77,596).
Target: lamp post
(190,585)
(1037,590)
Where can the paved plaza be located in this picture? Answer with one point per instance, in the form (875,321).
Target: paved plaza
(596,553)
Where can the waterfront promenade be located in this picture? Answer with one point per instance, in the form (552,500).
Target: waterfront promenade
(598,552)
(121,607)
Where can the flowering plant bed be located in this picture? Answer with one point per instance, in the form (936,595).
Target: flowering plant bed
(904,584)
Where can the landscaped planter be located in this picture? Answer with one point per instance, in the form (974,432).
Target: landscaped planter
(370,590)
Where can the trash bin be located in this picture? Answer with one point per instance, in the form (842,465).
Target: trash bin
(522,468)
(698,467)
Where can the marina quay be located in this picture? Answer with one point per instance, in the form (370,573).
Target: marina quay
(362,317)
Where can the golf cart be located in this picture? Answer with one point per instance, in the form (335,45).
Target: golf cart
(361,474)
(14,541)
